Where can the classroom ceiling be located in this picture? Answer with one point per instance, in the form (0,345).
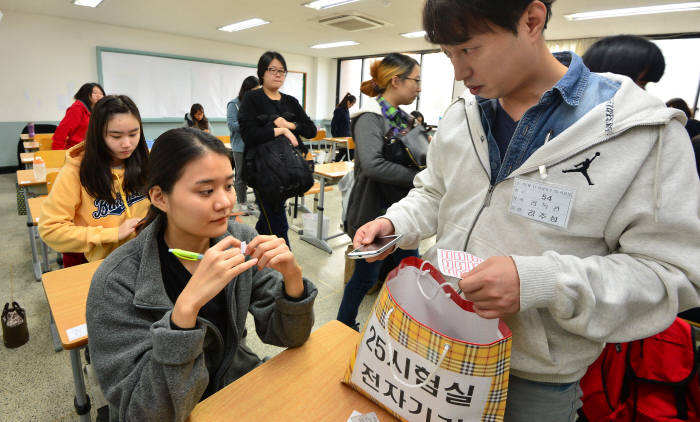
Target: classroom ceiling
(293,28)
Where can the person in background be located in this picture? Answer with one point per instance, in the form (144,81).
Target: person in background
(237,145)
(418,119)
(71,130)
(196,118)
(167,332)
(692,126)
(635,57)
(378,182)
(260,119)
(340,125)
(99,195)
(614,260)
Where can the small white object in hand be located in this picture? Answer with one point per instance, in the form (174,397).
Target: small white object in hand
(243,247)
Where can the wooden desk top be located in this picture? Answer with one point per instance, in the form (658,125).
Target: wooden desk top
(301,384)
(35,207)
(26,157)
(337,140)
(24,137)
(26,177)
(67,290)
(334,170)
(30,145)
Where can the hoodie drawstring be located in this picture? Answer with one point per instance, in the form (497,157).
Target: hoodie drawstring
(121,193)
(657,170)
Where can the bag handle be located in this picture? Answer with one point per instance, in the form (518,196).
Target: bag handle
(390,351)
(420,288)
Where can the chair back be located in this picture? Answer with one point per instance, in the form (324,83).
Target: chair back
(44,140)
(225,139)
(52,159)
(351,143)
(50,179)
(320,134)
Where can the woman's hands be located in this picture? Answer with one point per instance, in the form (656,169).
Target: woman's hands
(288,134)
(127,228)
(221,263)
(281,122)
(273,252)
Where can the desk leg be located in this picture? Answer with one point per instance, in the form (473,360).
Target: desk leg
(318,239)
(36,265)
(57,347)
(82,401)
(45,265)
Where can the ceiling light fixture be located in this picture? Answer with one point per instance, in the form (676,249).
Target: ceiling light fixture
(417,34)
(634,11)
(327,4)
(88,3)
(335,44)
(246,24)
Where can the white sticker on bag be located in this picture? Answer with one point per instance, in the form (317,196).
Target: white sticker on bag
(543,202)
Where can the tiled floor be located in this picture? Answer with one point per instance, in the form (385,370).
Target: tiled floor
(37,382)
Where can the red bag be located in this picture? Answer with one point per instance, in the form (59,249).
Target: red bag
(653,379)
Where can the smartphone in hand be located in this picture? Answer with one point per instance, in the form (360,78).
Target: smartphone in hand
(376,248)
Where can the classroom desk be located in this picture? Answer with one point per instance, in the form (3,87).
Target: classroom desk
(26,158)
(34,211)
(66,291)
(26,180)
(25,137)
(330,171)
(335,143)
(30,145)
(300,384)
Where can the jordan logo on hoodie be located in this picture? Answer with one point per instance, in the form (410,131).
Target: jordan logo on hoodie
(104,208)
(582,168)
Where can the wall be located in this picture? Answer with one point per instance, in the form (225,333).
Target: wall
(46,59)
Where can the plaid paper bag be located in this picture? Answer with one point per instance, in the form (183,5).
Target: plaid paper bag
(426,356)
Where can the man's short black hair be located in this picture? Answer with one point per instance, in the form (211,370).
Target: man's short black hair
(454,22)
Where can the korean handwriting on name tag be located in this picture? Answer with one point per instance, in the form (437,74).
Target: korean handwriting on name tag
(543,202)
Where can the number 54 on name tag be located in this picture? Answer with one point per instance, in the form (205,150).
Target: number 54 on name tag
(543,202)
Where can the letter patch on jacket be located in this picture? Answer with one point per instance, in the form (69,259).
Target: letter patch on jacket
(104,208)
(543,202)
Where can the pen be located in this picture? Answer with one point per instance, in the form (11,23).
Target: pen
(183,254)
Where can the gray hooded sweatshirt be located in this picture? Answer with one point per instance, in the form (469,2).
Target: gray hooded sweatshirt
(629,258)
(149,371)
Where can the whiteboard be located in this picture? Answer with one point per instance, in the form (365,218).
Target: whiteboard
(165,86)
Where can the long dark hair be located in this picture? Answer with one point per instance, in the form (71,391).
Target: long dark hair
(248,83)
(171,152)
(95,168)
(347,99)
(636,57)
(85,91)
(201,124)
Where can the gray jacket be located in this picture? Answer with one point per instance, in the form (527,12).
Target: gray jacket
(378,182)
(151,372)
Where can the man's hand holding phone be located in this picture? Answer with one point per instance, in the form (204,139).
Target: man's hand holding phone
(366,235)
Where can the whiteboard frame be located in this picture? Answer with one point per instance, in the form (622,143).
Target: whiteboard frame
(100,79)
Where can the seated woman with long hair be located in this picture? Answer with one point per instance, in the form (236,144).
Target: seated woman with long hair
(166,331)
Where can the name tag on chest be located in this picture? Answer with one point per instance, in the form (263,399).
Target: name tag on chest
(543,202)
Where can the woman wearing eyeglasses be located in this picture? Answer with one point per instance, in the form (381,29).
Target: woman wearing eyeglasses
(261,120)
(378,182)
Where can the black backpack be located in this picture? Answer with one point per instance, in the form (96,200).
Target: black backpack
(277,170)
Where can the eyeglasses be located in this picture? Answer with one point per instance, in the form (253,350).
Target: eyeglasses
(414,79)
(276,71)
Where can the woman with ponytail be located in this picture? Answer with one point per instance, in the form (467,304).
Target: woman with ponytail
(166,312)
(378,182)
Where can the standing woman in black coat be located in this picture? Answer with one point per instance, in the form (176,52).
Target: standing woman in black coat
(261,121)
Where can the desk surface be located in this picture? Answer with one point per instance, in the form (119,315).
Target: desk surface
(26,157)
(301,384)
(26,177)
(35,207)
(30,145)
(334,170)
(67,290)
(338,140)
